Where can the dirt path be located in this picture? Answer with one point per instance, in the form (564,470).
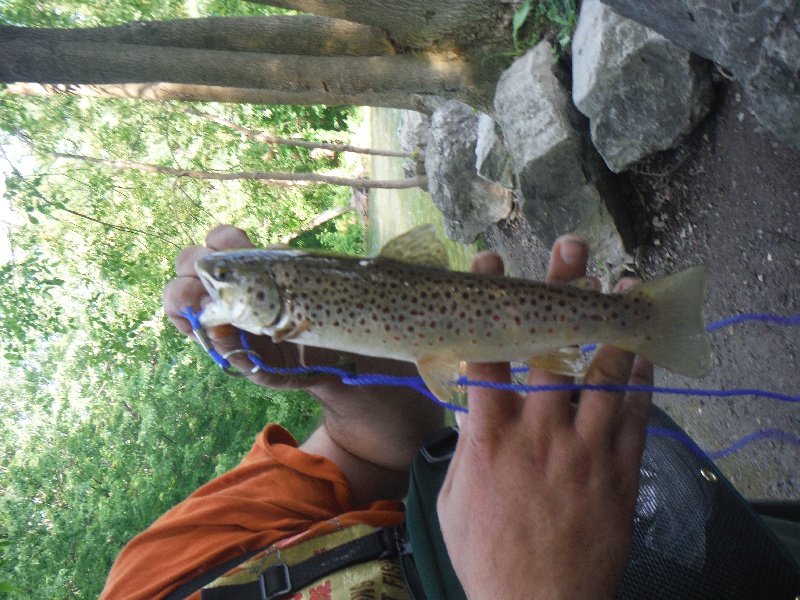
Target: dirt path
(728,198)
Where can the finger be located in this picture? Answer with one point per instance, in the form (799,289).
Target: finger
(598,413)
(634,414)
(568,259)
(178,294)
(489,406)
(228,237)
(552,409)
(184,264)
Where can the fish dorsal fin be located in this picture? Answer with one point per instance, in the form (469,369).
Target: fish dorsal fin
(420,246)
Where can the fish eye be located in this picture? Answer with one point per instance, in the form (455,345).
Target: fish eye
(220,273)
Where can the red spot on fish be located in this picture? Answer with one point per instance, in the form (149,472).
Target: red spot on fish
(517,321)
(549,330)
(532,330)
(576,328)
(496,318)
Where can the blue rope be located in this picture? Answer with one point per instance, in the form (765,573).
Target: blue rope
(418,384)
(756,436)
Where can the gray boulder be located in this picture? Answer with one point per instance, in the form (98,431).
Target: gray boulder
(640,91)
(413,133)
(759,42)
(492,160)
(562,180)
(468,203)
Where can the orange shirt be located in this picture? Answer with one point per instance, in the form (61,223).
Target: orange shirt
(276,492)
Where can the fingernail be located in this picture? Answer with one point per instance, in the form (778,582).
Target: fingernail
(572,249)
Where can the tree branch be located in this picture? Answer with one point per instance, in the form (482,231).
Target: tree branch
(265,138)
(323,217)
(257,176)
(165,91)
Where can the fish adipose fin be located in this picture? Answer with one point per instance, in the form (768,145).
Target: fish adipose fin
(678,337)
(564,361)
(420,246)
(440,373)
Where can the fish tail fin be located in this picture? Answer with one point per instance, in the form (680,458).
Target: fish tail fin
(677,339)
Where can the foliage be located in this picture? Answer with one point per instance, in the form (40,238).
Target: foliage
(107,415)
(552,19)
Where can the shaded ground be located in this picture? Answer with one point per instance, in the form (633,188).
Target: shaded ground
(729,198)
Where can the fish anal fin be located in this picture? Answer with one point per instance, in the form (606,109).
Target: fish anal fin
(564,361)
(420,246)
(440,373)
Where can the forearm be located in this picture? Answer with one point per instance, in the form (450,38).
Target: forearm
(373,432)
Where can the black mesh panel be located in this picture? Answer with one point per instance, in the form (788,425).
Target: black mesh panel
(695,536)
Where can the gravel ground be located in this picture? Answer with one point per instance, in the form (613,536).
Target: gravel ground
(728,197)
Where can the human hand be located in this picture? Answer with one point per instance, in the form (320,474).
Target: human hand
(540,495)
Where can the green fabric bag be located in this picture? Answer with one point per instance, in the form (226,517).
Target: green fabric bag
(422,521)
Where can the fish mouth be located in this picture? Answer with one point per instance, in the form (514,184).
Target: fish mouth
(215,312)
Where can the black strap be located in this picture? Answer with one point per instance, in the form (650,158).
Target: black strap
(193,585)
(281,579)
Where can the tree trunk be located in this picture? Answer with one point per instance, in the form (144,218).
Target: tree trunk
(277,34)
(411,23)
(278,59)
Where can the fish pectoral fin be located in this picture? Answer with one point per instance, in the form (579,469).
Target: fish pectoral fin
(291,331)
(440,373)
(564,361)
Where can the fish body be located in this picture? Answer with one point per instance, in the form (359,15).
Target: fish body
(405,304)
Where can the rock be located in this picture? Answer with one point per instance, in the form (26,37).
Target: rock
(640,91)
(469,204)
(414,129)
(559,174)
(493,162)
(759,42)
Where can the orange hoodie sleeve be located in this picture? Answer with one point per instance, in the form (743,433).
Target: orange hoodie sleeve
(277,491)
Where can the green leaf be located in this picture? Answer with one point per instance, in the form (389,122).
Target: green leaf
(519,18)
(6,587)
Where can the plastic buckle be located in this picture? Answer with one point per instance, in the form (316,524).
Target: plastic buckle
(279,571)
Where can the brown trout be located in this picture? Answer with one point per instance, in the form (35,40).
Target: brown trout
(406,304)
